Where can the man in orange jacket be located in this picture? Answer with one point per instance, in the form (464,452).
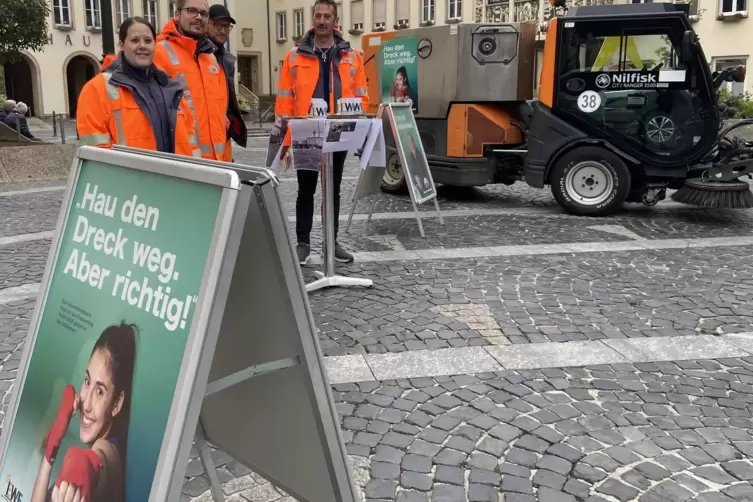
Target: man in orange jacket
(322,66)
(187,55)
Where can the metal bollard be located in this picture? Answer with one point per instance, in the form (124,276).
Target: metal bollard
(54,125)
(62,130)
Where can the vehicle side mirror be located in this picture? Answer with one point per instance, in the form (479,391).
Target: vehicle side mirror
(730,112)
(737,74)
(688,47)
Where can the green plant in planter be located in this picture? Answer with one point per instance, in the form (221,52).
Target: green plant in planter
(743,103)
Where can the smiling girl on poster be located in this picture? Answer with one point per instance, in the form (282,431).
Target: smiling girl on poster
(402,92)
(95,473)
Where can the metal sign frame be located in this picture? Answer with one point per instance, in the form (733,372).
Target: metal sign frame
(248,194)
(200,329)
(369,183)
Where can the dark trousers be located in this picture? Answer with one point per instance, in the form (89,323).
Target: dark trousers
(304,204)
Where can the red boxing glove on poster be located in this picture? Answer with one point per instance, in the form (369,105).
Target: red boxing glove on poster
(60,425)
(80,469)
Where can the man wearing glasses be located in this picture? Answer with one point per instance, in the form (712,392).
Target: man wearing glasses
(218,30)
(188,56)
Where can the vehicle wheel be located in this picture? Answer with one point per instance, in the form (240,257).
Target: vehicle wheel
(393,180)
(590,181)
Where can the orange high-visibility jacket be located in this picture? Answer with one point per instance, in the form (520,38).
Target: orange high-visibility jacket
(109,114)
(299,77)
(108,60)
(192,63)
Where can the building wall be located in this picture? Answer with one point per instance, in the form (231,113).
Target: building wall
(249,40)
(345,10)
(50,67)
(728,41)
(254,40)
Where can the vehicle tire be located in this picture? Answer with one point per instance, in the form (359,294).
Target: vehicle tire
(393,180)
(590,181)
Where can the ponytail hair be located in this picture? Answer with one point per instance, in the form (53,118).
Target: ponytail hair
(119,341)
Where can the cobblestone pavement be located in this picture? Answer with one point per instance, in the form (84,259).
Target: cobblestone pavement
(438,304)
(656,432)
(645,432)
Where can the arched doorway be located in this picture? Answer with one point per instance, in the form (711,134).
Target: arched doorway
(19,82)
(79,71)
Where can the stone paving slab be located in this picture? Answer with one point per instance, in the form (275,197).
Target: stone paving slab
(645,432)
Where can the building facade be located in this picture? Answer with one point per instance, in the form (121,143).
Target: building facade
(50,80)
(726,33)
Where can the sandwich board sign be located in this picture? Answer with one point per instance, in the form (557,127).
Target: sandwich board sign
(140,303)
(413,161)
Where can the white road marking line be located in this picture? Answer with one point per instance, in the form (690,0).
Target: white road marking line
(469,360)
(15,239)
(8,295)
(546,249)
(56,188)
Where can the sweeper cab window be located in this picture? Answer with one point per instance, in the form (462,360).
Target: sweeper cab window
(626,82)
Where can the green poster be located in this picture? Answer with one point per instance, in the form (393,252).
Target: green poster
(412,154)
(400,72)
(111,337)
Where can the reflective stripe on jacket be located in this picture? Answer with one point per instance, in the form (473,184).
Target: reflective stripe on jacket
(193,64)
(300,74)
(109,113)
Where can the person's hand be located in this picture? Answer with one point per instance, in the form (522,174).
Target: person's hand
(77,479)
(285,158)
(68,406)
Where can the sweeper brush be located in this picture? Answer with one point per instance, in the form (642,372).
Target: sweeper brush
(733,194)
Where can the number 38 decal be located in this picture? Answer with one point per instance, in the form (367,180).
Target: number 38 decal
(589,101)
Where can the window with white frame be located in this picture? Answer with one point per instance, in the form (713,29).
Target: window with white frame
(356,14)
(122,11)
(150,12)
(172,8)
(733,7)
(300,22)
(402,13)
(93,14)
(428,8)
(727,63)
(61,11)
(380,14)
(282,26)
(454,9)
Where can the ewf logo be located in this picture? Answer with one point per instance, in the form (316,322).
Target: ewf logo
(350,106)
(12,494)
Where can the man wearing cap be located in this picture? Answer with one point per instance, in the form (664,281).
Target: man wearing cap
(218,30)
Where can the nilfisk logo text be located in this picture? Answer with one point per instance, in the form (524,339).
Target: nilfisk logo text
(627,79)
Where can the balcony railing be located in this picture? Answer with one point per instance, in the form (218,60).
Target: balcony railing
(520,11)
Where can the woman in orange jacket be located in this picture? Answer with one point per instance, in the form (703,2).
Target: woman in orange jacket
(133,103)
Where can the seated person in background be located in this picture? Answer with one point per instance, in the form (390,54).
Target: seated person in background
(7,107)
(18,116)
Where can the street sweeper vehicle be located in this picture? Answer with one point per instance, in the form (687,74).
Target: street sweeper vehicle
(626,108)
